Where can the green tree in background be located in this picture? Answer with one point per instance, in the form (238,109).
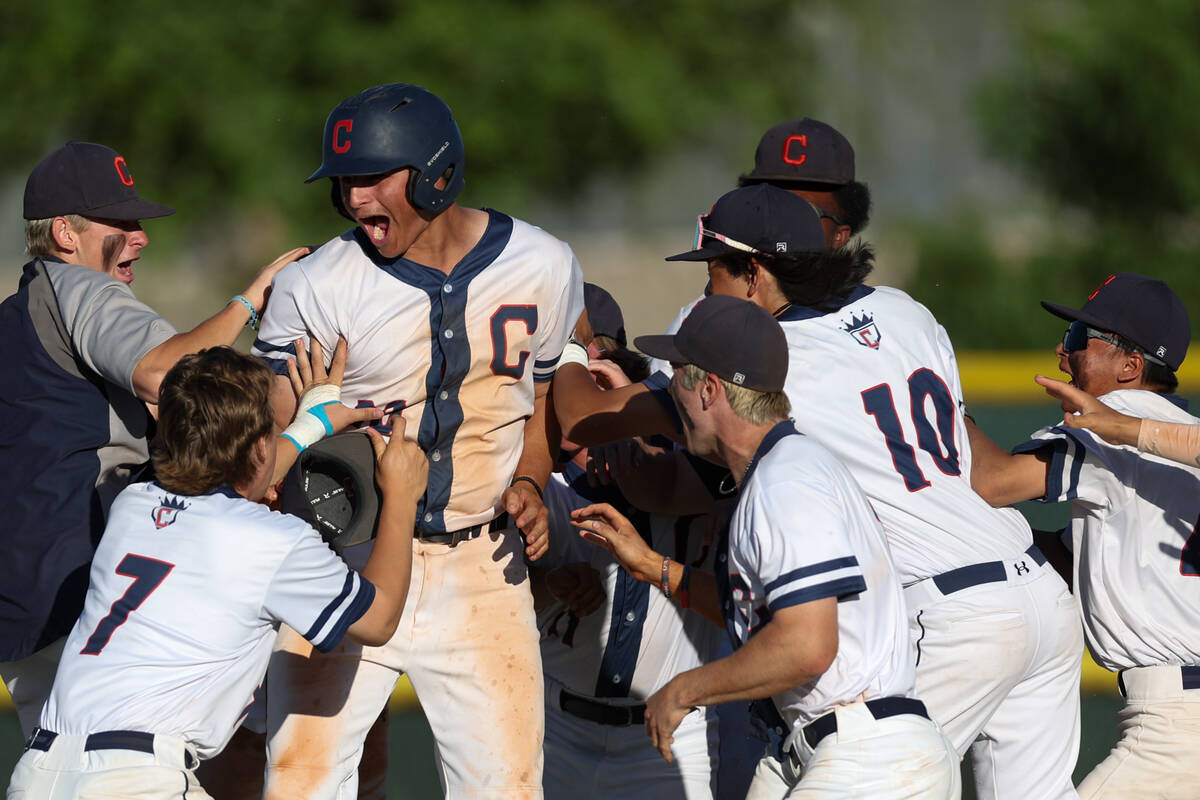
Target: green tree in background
(1101,115)
(220,105)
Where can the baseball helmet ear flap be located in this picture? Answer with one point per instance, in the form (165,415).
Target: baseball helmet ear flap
(332,488)
(390,127)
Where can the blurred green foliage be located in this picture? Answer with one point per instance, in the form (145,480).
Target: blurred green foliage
(219,106)
(1100,113)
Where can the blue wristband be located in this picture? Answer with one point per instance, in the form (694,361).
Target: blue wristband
(253,321)
(319,413)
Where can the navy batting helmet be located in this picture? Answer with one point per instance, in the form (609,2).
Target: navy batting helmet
(332,487)
(390,127)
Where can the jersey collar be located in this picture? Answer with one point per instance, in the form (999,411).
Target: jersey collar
(773,437)
(792,313)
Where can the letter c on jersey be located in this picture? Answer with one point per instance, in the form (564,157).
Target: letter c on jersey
(504,315)
(342,144)
(123,171)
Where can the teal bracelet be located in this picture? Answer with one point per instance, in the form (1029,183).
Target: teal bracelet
(253,321)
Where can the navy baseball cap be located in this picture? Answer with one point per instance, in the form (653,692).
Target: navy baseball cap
(604,314)
(757,219)
(802,151)
(1143,310)
(86,179)
(331,486)
(734,339)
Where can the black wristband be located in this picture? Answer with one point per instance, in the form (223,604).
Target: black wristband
(532,483)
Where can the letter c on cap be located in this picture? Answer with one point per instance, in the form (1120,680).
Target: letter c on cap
(123,171)
(342,144)
(788,158)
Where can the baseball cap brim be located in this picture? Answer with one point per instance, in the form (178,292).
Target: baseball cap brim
(1073,314)
(706,253)
(787,181)
(132,209)
(660,346)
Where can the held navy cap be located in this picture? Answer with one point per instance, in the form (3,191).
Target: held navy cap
(604,314)
(757,219)
(331,486)
(731,338)
(1143,310)
(802,151)
(86,179)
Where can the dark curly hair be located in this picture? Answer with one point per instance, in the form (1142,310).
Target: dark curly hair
(815,280)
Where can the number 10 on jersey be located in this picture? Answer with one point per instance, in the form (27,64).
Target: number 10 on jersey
(935,438)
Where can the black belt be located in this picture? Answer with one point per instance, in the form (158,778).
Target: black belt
(882,708)
(602,713)
(990,572)
(1189,676)
(452,538)
(106,740)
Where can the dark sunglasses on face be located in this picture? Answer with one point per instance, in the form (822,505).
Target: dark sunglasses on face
(1077,335)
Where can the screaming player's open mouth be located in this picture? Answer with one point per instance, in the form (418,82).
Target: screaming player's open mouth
(123,271)
(376,227)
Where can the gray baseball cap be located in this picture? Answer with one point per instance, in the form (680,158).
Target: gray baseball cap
(731,338)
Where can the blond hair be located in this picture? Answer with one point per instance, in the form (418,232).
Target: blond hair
(39,233)
(751,405)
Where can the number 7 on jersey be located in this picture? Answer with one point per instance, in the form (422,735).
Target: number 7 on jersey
(147,574)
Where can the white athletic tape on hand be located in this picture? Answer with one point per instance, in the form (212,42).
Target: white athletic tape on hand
(319,396)
(309,427)
(573,353)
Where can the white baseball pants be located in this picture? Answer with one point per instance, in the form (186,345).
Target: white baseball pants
(998,666)
(1156,755)
(468,642)
(68,771)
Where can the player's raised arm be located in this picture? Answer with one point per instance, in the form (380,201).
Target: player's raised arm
(221,328)
(401,473)
(590,415)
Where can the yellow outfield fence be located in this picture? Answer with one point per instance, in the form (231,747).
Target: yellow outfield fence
(1000,377)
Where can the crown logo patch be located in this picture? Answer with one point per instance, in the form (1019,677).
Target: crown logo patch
(863,330)
(167,510)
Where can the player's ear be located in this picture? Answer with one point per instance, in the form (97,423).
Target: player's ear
(1132,368)
(66,238)
(841,235)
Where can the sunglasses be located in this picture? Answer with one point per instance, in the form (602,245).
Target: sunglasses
(1077,335)
(703,232)
(823,214)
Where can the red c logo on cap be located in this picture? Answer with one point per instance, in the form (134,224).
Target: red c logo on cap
(123,171)
(787,147)
(343,145)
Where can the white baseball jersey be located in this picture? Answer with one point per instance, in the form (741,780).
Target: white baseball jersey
(876,382)
(186,595)
(1134,528)
(802,531)
(638,640)
(459,354)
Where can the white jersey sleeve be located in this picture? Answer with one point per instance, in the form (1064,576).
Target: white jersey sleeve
(293,312)
(825,566)
(316,595)
(562,316)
